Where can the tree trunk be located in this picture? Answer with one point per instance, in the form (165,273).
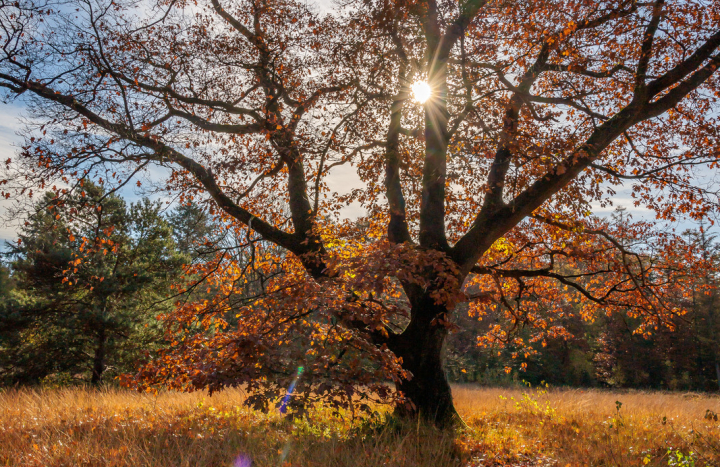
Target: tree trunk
(420,346)
(99,359)
(717,373)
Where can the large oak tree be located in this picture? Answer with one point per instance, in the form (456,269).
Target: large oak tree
(482,193)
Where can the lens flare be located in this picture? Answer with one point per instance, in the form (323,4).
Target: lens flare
(286,399)
(242,461)
(421,91)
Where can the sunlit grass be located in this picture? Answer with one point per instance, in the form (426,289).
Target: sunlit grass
(79,427)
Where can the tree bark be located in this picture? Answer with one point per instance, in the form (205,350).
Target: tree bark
(99,359)
(420,346)
(717,372)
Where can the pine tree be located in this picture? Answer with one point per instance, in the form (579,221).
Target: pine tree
(91,273)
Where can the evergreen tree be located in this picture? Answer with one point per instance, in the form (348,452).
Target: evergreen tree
(192,227)
(92,273)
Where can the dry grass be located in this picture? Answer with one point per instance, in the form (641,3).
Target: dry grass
(76,427)
(588,427)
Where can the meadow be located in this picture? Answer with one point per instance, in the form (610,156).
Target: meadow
(505,427)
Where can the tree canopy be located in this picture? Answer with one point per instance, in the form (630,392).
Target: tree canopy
(538,110)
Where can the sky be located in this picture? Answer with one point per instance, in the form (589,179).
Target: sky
(341,180)
(9,143)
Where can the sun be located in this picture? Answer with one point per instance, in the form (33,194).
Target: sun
(421,91)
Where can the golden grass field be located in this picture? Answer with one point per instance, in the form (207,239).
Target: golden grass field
(533,427)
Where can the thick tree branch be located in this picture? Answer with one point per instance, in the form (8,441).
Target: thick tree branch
(501,162)
(239,129)
(398,231)
(490,224)
(646,49)
(686,67)
(164,153)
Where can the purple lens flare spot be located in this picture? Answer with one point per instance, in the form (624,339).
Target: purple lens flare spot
(242,461)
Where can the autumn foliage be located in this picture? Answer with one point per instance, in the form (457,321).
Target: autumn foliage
(539,111)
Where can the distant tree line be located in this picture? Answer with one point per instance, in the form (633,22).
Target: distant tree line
(82,288)
(609,352)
